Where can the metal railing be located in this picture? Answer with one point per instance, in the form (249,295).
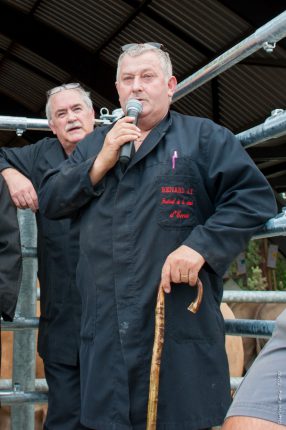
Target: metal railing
(273,127)
(21,124)
(265,37)
(24,342)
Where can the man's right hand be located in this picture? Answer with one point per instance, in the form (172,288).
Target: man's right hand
(123,131)
(21,189)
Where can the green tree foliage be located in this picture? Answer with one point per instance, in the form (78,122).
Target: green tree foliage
(281,272)
(253,254)
(255,280)
(255,262)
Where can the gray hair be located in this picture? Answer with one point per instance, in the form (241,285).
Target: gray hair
(85,95)
(136,49)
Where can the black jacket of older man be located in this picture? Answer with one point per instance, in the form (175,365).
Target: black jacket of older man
(57,251)
(59,325)
(10,256)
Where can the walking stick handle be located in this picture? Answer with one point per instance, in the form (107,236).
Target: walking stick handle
(195,305)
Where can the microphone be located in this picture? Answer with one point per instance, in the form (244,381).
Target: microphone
(133,108)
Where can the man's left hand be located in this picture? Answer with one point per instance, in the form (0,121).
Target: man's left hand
(181,266)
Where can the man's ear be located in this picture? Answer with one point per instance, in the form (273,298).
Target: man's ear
(116,85)
(51,125)
(172,83)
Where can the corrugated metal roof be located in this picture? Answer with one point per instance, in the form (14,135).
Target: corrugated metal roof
(198,103)
(61,16)
(23,5)
(4,42)
(183,55)
(22,85)
(98,100)
(207,21)
(40,63)
(246,99)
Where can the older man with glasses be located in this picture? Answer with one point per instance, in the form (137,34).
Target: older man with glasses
(71,117)
(184,206)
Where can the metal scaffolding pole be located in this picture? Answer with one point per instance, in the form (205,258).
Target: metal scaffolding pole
(273,127)
(244,296)
(24,345)
(21,124)
(265,37)
(250,328)
(6,384)
(20,323)
(273,227)
(24,400)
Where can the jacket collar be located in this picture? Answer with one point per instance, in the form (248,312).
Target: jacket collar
(152,140)
(55,154)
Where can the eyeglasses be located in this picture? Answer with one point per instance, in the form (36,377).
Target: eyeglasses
(62,87)
(156,45)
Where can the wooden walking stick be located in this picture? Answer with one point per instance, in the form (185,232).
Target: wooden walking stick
(157,351)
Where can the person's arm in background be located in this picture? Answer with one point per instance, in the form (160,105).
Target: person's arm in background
(21,189)
(16,165)
(10,254)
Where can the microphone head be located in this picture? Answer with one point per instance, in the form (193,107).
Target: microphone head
(134,104)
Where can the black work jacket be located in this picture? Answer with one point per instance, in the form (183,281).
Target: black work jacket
(57,250)
(191,183)
(10,254)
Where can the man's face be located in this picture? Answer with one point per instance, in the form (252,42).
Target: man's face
(71,119)
(142,78)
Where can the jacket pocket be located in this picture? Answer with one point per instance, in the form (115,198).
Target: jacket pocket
(206,325)
(177,201)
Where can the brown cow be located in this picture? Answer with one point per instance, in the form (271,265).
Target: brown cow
(246,311)
(257,311)
(233,346)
